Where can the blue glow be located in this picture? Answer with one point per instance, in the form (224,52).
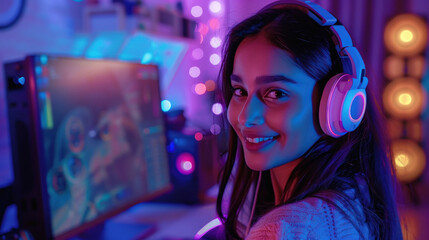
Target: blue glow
(21,80)
(147,58)
(165,105)
(165,53)
(106,45)
(79,45)
(38,70)
(44,59)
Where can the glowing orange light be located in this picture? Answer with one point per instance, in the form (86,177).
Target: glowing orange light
(416,66)
(394,128)
(414,130)
(404,98)
(210,85)
(406,35)
(394,67)
(409,159)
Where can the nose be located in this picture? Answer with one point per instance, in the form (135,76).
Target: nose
(252,113)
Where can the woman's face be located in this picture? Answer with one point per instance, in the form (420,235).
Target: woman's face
(271,109)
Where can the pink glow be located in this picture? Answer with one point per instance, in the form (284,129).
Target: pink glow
(198,136)
(214,23)
(185,163)
(200,88)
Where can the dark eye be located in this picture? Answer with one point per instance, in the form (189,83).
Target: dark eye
(276,94)
(239,92)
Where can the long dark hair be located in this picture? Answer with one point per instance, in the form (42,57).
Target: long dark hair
(331,164)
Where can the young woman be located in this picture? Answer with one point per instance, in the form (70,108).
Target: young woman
(294,172)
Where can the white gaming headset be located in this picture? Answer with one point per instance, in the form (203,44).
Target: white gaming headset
(343,101)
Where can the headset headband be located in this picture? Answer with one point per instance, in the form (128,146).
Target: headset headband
(350,58)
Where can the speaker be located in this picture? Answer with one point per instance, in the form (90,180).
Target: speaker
(193,166)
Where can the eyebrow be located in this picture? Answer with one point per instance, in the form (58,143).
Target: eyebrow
(264,79)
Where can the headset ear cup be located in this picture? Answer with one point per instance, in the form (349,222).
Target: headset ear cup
(331,104)
(353,109)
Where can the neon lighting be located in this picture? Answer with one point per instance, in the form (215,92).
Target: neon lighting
(185,163)
(196,11)
(209,226)
(405,99)
(215,42)
(194,72)
(215,59)
(165,105)
(46,116)
(197,53)
(215,129)
(200,88)
(215,7)
(217,108)
(406,36)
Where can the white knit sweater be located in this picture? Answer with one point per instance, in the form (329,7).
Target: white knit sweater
(311,218)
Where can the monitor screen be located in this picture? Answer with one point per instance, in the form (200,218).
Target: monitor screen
(103,138)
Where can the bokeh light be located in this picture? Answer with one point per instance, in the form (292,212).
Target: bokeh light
(197,53)
(194,71)
(165,105)
(217,108)
(414,130)
(210,85)
(395,128)
(215,59)
(196,11)
(215,129)
(394,67)
(406,35)
(215,7)
(416,66)
(198,136)
(215,42)
(214,24)
(409,159)
(200,88)
(185,163)
(404,98)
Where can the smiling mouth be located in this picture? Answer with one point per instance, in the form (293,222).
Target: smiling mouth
(258,140)
(258,143)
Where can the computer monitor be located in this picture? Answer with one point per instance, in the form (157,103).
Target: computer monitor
(88,141)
